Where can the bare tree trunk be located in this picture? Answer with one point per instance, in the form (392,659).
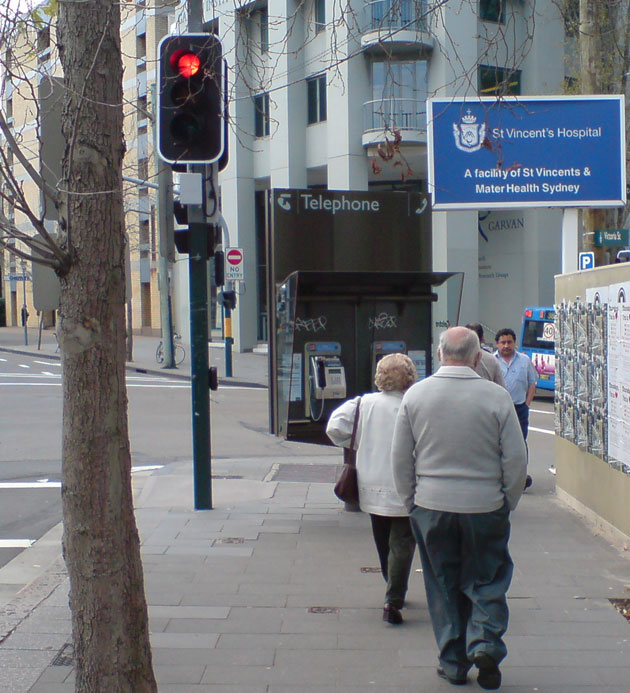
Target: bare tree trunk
(592,218)
(101,543)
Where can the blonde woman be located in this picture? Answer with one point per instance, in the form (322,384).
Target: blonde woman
(394,540)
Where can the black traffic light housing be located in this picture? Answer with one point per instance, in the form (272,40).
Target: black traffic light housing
(219,268)
(190,99)
(227,299)
(182,237)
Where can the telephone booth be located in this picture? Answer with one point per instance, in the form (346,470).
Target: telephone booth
(330,329)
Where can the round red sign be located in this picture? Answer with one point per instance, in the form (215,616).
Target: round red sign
(234,256)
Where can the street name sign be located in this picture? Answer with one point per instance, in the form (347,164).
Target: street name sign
(544,151)
(611,237)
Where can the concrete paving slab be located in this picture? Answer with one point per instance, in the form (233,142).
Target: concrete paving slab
(300,549)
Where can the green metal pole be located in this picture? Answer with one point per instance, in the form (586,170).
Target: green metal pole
(198,278)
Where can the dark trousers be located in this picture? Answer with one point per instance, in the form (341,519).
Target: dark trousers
(522,411)
(467,571)
(395,546)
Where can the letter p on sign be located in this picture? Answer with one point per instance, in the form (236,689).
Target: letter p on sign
(586,260)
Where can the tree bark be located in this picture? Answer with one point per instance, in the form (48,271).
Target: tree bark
(100,541)
(592,218)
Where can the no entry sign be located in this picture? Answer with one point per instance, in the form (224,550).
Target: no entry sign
(234,264)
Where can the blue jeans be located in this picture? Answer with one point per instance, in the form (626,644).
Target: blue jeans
(467,571)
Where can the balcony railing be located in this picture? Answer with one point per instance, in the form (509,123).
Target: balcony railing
(394,15)
(395,114)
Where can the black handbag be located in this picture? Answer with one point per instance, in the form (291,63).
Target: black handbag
(347,486)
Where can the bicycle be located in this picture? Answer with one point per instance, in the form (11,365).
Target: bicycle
(179,351)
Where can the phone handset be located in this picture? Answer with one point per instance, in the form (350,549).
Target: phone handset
(327,380)
(321,373)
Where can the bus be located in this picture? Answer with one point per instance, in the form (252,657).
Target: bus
(538,342)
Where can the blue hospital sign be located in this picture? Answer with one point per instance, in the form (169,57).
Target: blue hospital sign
(558,151)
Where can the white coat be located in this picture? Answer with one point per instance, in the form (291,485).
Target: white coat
(375,428)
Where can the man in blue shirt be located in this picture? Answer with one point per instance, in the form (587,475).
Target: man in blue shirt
(520,378)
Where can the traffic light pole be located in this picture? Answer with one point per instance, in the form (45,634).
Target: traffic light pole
(198,280)
(199,367)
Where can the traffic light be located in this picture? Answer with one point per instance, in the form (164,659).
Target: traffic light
(219,268)
(182,237)
(227,299)
(190,99)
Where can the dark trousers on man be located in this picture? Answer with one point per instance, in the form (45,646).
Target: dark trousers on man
(522,411)
(467,571)
(395,546)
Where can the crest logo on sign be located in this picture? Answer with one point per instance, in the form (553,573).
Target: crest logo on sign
(469,134)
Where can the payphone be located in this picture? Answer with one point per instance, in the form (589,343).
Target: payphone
(324,377)
(382,348)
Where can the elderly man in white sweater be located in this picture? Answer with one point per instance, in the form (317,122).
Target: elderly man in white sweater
(459,463)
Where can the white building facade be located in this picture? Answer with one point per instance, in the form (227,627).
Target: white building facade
(317,88)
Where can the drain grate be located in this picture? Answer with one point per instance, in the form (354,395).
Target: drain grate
(229,540)
(65,656)
(323,610)
(622,606)
(369,569)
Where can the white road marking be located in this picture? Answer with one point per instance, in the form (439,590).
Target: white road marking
(16,543)
(32,384)
(30,484)
(28,375)
(23,365)
(49,363)
(3,360)
(542,430)
(145,381)
(147,468)
(541,411)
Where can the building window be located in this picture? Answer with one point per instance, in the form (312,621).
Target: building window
(261,110)
(399,95)
(492,11)
(319,15)
(264,30)
(499,81)
(316,99)
(43,39)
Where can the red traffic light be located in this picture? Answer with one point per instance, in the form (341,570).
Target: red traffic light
(185,63)
(190,99)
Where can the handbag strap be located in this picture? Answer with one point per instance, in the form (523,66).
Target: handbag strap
(354,425)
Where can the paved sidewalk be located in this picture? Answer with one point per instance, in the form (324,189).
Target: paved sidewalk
(275,591)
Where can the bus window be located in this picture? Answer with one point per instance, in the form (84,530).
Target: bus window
(535,336)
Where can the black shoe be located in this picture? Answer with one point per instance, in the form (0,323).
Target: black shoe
(489,675)
(392,615)
(455,682)
(528,482)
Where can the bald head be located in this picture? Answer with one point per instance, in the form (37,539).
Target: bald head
(459,346)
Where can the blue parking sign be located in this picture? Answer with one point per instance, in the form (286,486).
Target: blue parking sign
(586,260)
